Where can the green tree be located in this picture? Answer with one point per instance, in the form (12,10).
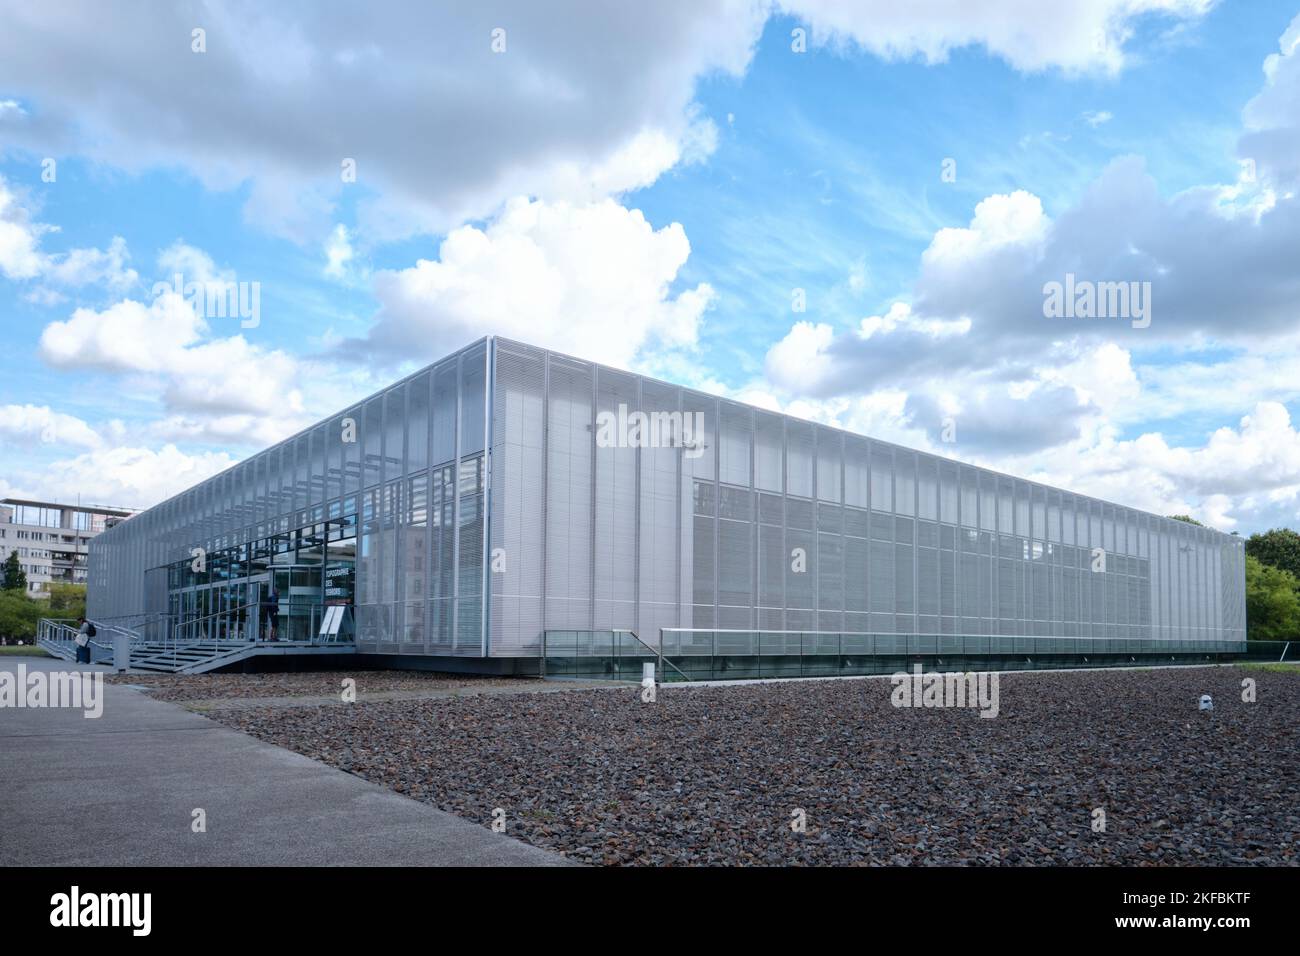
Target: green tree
(15,578)
(18,615)
(67,600)
(1278,548)
(1272,603)
(1188,518)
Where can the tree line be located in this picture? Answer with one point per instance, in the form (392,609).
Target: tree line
(1272,583)
(19,612)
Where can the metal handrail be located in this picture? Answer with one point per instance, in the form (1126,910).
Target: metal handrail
(616,646)
(191,622)
(63,630)
(56,629)
(178,623)
(130,621)
(916,643)
(659,651)
(60,623)
(827,653)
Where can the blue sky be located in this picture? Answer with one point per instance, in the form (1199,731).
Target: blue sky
(684,171)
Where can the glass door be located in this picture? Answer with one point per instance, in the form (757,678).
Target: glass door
(255,592)
(340,583)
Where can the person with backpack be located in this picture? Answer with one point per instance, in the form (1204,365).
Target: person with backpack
(85,631)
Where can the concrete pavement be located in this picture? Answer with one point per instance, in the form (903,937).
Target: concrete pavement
(120,790)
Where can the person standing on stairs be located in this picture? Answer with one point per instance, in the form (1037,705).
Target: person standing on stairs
(271,612)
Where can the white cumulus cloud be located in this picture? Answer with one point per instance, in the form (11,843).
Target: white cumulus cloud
(1073,35)
(591,280)
(29,424)
(22,256)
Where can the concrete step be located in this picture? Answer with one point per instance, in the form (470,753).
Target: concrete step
(162,658)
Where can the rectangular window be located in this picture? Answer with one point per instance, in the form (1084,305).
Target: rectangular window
(735,563)
(768,438)
(390,543)
(316,466)
(443,529)
(733,454)
(332,445)
(829,462)
(417,422)
(905,482)
(799,459)
(882,477)
(371,439)
(394,434)
(473,402)
(368,549)
(927,488)
(443,447)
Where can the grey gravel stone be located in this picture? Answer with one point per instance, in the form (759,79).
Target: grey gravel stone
(712,775)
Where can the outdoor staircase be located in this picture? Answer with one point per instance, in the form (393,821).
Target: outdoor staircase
(172,657)
(60,649)
(163,658)
(198,657)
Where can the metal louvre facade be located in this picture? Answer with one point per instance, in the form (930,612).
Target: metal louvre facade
(781,524)
(484,508)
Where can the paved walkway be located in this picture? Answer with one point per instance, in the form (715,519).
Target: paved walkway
(120,791)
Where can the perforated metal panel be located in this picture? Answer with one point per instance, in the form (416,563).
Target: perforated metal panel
(769,452)
(759,520)
(799,459)
(659,506)
(518,513)
(616,490)
(570,454)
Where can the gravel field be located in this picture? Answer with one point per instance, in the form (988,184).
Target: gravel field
(184,687)
(713,775)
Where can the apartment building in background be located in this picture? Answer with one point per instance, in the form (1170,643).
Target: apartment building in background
(52,540)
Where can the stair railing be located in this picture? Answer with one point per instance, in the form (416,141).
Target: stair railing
(194,630)
(60,630)
(658,652)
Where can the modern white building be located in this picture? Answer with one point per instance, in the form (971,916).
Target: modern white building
(507,491)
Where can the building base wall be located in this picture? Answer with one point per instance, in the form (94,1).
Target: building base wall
(363,661)
(498,666)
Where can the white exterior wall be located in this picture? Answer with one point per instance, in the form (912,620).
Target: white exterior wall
(896,541)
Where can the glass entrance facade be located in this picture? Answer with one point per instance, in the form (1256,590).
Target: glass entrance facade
(380,509)
(227,594)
